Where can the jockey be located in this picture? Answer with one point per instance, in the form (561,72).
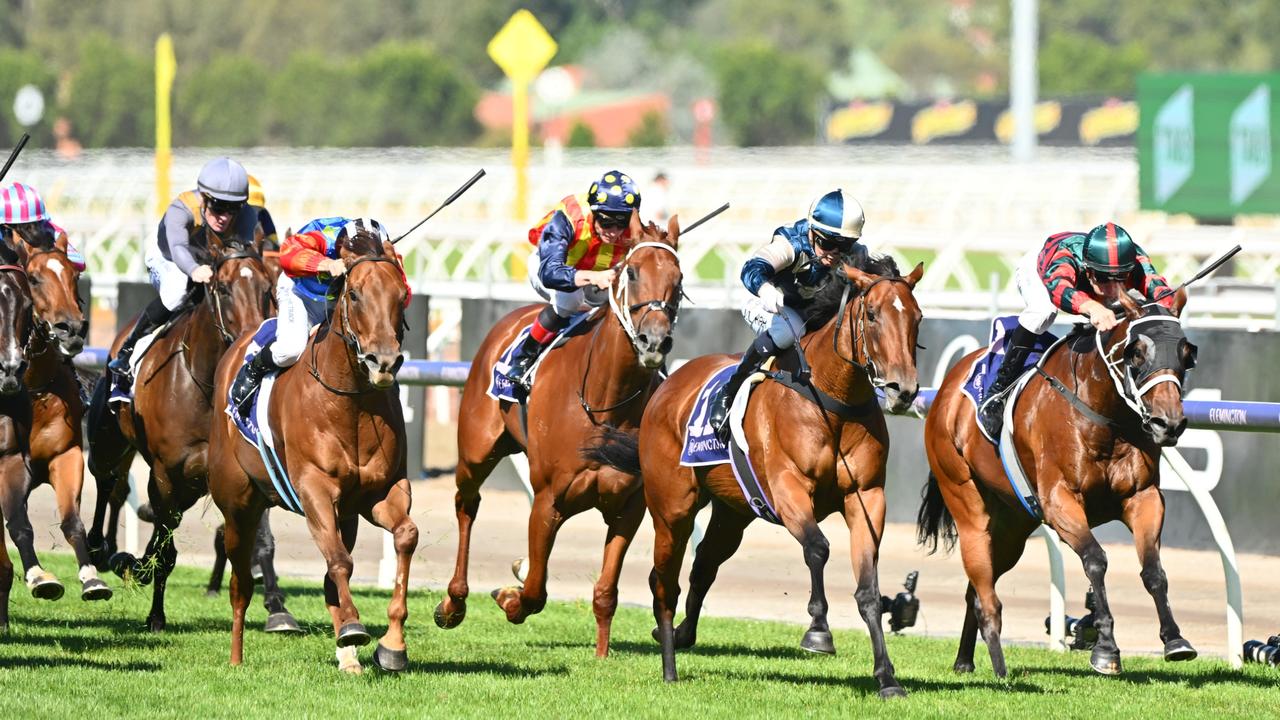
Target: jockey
(22,211)
(576,247)
(783,277)
(258,201)
(310,261)
(1067,274)
(218,202)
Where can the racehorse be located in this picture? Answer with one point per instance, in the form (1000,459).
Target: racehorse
(811,459)
(54,430)
(168,420)
(1088,431)
(16,324)
(340,436)
(603,376)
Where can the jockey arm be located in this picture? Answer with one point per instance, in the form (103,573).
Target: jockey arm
(301,254)
(553,250)
(176,228)
(1151,283)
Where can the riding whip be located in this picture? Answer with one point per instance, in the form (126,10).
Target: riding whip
(14,155)
(456,193)
(705,218)
(1211,267)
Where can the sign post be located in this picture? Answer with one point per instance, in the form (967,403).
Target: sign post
(522,48)
(165,67)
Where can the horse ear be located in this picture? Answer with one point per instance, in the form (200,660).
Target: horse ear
(673,230)
(1129,305)
(1179,301)
(636,228)
(915,275)
(61,242)
(860,279)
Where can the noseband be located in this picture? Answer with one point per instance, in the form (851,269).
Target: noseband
(1113,358)
(620,293)
(346,334)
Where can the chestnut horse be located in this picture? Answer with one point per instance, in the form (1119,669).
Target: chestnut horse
(811,461)
(168,420)
(601,377)
(57,409)
(16,326)
(340,436)
(1091,452)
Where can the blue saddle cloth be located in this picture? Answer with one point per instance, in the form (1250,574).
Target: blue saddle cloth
(500,387)
(701,446)
(984,371)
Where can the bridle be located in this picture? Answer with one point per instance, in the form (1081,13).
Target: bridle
(345,333)
(868,366)
(1130,390)
(216,286)
(22,271)
(619,297)
(45,326)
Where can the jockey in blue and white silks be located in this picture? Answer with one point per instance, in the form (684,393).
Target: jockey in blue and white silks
(783,276)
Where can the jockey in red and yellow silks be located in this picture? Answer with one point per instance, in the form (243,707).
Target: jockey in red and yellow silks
(576,246)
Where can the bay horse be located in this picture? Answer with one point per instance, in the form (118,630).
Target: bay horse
(169,420)
(601,377)
(16,325)
(340,436)
(1091,452)
(54,432)
(811,460)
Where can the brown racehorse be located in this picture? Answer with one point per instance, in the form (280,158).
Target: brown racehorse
(56,412)
(16,324)
(168,420)
(1091,454)
(340,436)
(811,462)
(601,377)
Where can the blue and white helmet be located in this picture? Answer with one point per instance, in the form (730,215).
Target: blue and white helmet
(837,215)
(354,225)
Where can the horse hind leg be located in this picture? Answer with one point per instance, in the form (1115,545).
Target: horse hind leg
(279,619)
(720,541)
(604,602)
(864,512)
(470,475)
(1065,514)
(219,562)
(1144,514)
(392,514)
(545,520)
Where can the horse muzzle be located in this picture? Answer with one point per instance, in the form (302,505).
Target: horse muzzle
(382,368)
(11,376)
(1165,431)
(898,397)
(651,350)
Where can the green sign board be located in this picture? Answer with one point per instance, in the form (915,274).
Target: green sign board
(1209,145)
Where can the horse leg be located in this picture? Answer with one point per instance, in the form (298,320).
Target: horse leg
(164,556)
(279,619)
(719,543)
(239,528)
(1065,513)
(6,581)
(219,562)
(335,539)
(622,530)
(470,475)
(672,526)
(545,520)
(795,509)
(968,633)
(864,514)
(392,515)
(15,486)
(66,475)
(1144,514)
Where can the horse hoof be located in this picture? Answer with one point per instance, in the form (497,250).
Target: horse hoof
(212,594)
(390,660)
(122,563)
(508,598)
(46,587)
(447,620)
(1106,662)
(146,514)
(685,639)
(155,625)
(520,568)
(281,622)
(1179,650)
(818,641)
(962,668)
(894,691)
(95,589)
(353,635)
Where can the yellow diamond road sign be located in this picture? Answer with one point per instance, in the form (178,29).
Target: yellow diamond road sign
(522,47)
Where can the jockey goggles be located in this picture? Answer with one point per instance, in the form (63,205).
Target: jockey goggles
(222,207)
(832,243)
(613,221)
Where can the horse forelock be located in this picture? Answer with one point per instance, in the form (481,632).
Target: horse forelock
(826,302)
(364,242)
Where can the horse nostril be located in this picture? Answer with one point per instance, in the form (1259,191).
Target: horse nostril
(1182,425)
(665,346)
(643,340)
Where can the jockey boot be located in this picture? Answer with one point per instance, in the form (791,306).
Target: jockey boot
(544,330)
(760,350)
(1016,349)
(249,377)
(155,315)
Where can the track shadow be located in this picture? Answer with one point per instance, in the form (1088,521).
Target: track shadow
(863,682)
(1217,676)
(777,652)
(30,662)
(476,667)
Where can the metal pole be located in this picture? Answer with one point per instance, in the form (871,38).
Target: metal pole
(1057,591)
(1023,78)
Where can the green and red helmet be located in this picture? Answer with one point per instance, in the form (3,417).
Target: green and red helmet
(1108,250)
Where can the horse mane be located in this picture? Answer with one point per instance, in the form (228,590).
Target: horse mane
(826,302)
(364,243)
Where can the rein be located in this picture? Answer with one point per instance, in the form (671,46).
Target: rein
(618,299)
(869,367)
(346,334)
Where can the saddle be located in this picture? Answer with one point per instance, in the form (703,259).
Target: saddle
(122,388)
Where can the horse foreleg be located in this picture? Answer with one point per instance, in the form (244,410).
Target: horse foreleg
(671,535)
(452,610)
(66,475)
(162,557)
(604,601)
(238,539)
(719,543)
(795,509)
(392,515)
(1144,514)
(279,619)
(545,520)
(219,562)
(325,527)
(15,487)
(864,514)
(6,581)
(1065,513)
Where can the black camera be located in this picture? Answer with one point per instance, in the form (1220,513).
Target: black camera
(1255,651)
(904,606)
(1082,631)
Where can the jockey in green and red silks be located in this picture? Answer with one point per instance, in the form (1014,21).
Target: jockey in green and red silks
(1069,273)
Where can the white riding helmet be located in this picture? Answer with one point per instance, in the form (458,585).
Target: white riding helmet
(224,179)
(837,214)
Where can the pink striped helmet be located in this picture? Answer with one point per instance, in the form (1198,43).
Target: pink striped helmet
(21,204)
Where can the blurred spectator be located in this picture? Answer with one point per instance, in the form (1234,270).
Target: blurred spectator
(655,199)
(67,147)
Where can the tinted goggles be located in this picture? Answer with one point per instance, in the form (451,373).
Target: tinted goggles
(832,243)
(222,207)
(613,222)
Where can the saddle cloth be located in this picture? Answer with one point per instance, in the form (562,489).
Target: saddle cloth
(500,387)
(984,371)
(121,388)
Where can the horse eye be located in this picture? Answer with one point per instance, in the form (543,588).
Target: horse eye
(355,296)
(632,274)
(871,315)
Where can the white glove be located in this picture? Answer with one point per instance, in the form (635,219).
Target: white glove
(771,297)
(202,274)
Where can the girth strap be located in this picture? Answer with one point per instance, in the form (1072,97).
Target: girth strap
(814,394)
(1077,403)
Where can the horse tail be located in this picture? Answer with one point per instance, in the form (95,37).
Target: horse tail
(107,444)
(934,521)
(617,449)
